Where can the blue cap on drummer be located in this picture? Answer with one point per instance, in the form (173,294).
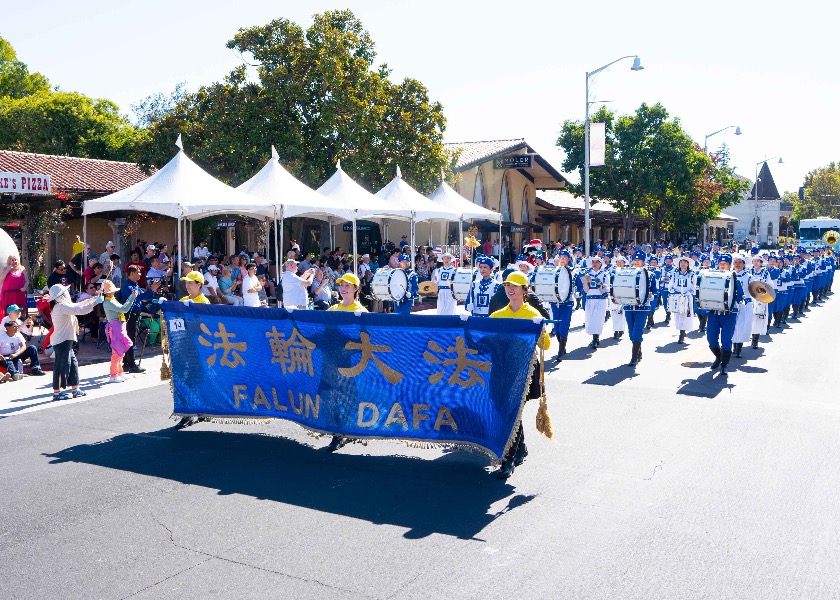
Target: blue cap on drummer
(483,259)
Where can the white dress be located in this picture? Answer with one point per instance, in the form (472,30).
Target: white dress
(743,326)
(596,301)
(760,322)
(446,302)
(684,284)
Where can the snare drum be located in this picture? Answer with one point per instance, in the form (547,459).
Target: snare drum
(553,284)
(680,304)
(461,282)
(389,284)
(715,290)
(630,285)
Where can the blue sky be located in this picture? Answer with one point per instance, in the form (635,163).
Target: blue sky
(500,69)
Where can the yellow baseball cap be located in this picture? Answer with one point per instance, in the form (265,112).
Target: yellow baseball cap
(349,278)
(517,278)
(194,276)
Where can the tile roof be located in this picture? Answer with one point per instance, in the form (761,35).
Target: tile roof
(71,174)
(561,199)
(475,152)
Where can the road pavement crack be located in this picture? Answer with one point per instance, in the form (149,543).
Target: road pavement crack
(211,556)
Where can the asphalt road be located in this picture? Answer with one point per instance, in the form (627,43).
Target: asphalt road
(664,482)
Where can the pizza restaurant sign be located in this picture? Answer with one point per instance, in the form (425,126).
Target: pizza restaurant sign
(24,183)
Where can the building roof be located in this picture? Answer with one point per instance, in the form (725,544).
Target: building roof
(473,154)
(766,186)
(562,199)
(71,174)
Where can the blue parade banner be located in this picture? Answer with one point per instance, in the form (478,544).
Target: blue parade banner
(433,379)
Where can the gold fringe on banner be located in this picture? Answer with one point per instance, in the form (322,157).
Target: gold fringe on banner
(543,418)
(166,362)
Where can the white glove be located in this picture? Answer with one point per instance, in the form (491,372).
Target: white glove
(469,308)
(188,301)
(464,316)
(358,313)
(537,320)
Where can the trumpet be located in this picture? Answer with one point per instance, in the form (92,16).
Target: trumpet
(831,237)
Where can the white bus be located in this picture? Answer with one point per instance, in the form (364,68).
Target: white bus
(811,232)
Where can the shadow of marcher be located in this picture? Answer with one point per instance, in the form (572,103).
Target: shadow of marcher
(612,376)
(708,385)
(671,348)
(450,495)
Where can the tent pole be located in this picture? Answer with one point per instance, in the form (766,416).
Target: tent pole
(282,242)
(268,240)
(500,243)
(276,250)
(355,241)
(84,249)
(411,237)
(461,241)
(180,249)
(332,236)
(190,236)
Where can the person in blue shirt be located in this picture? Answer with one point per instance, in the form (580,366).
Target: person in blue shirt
(721,325)
(132,317)
(403,306)
(562,311)
(637,315)
(653,267)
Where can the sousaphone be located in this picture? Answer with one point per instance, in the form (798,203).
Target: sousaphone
(762,292)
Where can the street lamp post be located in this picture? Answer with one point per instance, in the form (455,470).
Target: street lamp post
(706,141)
(705,149)
(637,66)
(755,196)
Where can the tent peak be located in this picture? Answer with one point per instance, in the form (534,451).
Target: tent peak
(274,155)
(338,165)
(399,173)
(178,143)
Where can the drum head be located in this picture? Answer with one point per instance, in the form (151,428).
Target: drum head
(398,284)
(563,283)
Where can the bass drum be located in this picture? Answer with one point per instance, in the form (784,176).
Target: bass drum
(389,284)
(554,284)
(630,285)
(716,290)
(461,282)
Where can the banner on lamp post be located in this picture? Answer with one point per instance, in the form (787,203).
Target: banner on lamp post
(597,144)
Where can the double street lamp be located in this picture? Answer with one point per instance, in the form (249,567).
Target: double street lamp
(637,66)
(706,141)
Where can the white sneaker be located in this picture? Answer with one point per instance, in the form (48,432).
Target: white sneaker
(116,379)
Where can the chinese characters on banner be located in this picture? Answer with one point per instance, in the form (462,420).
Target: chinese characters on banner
(435,379)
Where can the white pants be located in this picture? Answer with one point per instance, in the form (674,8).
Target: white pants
(446,304)
(596,310)
(619,321)
(234,300)
(743,325)
(759,323)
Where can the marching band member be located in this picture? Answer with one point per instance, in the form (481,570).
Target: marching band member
(637,316)
(619,322)
(562,312)
(516,289)
(403,307)
(442,276)
(787,289)
(797,277)
(683,282)
(667,272)
(653,267)
(596,299)
(704,262)
(809,277)
(348,289)
(759,322)
(743,323)
(722,323)
(482,288)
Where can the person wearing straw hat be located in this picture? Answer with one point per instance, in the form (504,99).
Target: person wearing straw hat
(115,328)
(516,289)
(63,313)
(743,324)
(683,282)
(758,272)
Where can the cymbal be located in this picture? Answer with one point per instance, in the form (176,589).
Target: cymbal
(762,292)
(428,288)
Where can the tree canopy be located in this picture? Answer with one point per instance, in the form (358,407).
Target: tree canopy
(654,169)
(15,79)
(318,98)
(822,194)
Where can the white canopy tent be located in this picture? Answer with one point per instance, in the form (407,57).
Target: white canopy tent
(291,198)
(448,197)
(181,189)
(399,195)
(341,187)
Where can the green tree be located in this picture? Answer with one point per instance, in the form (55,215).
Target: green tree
(15,79)
(822,194)
(653,169)
(319,98)
(66,123)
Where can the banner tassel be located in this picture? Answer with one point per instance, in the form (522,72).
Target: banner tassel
(543,424)
(165,365)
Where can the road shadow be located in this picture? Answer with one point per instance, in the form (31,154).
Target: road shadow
(450,495)
(670,348)
(612,376)
(707,385)
(579,353)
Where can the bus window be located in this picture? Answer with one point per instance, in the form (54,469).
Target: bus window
(809,233)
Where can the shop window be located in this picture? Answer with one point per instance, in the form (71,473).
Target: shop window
(505,204)
(478,193)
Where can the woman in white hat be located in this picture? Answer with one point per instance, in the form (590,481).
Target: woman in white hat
(743,325)
(596,299)
(115,329)
(65,324)
(442,276)
(683,284)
